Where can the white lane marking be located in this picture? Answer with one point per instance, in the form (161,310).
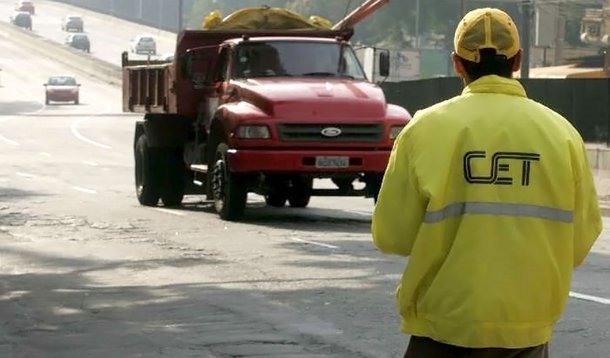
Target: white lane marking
(168,211)
(45,154)
(20,236)
(25,175)
(582,296)
(313,243)
(84,190)
(11,142)
(360,212)
(85,139)
(88,162)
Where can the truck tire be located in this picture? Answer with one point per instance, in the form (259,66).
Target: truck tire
(276,199)
(229,191)
(300,193)
(147,189)
(174,177)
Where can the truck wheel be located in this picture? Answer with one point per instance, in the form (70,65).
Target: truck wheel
(46,99)
(146,186)
(229,191)
(300,193)
(174,177)
(275,199)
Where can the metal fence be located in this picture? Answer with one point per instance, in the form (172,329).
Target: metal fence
(584,102)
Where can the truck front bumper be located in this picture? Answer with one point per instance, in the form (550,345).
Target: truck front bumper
(281,161)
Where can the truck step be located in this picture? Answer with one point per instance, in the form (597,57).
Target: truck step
(200,168)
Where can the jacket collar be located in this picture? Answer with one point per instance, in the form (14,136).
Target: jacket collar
(495,84)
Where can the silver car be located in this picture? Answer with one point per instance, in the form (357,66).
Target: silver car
(144,44)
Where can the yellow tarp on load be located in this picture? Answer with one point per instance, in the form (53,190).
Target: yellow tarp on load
(264,18)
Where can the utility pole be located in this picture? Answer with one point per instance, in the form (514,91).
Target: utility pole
(527,12)
(180,13)
(417,10)
(560,37)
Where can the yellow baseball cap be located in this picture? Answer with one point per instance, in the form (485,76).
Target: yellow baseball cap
(486,28)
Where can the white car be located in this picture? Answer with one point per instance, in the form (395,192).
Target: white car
(143,44)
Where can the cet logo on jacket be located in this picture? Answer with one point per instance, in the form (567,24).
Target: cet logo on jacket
(499,166)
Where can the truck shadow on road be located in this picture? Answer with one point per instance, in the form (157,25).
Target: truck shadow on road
(314,219)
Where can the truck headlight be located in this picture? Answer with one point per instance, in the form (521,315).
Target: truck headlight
(395,131)
(252,132)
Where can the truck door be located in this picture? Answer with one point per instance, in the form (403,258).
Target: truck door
(219,91)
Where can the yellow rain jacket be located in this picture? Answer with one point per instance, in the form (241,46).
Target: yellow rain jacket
(491,196)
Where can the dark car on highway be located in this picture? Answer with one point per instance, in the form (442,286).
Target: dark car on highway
(79,41)
(61,89)
(22,19)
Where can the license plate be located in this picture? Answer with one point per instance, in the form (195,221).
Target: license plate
(332,162)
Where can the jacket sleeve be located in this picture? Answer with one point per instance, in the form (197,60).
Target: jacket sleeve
(400,209)
(587,217)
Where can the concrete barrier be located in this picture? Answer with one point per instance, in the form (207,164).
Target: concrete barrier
(78,60)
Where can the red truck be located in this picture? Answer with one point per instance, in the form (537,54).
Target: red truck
(262,111)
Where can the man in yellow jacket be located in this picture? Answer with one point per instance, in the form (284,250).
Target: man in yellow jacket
(491,196)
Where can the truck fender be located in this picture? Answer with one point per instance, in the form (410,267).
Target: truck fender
(217,135)
(139,130)
(229,114)
(167,130)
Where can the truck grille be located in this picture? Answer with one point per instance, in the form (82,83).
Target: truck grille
(313,132)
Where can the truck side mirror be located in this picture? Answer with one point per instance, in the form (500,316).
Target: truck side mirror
(384,63)
(186,65)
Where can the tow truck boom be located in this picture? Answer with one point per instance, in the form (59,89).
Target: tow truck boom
(360,13)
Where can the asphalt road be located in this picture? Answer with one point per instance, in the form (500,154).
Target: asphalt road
(86,271)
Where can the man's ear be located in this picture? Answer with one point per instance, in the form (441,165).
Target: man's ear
(517,63)
(457,65)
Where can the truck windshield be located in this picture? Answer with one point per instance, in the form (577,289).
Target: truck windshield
(296,58)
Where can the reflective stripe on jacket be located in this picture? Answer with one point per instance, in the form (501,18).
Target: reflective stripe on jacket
(492,197)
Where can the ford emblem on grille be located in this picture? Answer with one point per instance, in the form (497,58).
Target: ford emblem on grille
(331,132)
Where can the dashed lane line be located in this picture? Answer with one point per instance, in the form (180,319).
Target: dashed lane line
(25,175)
(582,296)
(313,243)
(84,190)
(172,212)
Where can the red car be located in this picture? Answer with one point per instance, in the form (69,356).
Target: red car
(61,89)
(26,6)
